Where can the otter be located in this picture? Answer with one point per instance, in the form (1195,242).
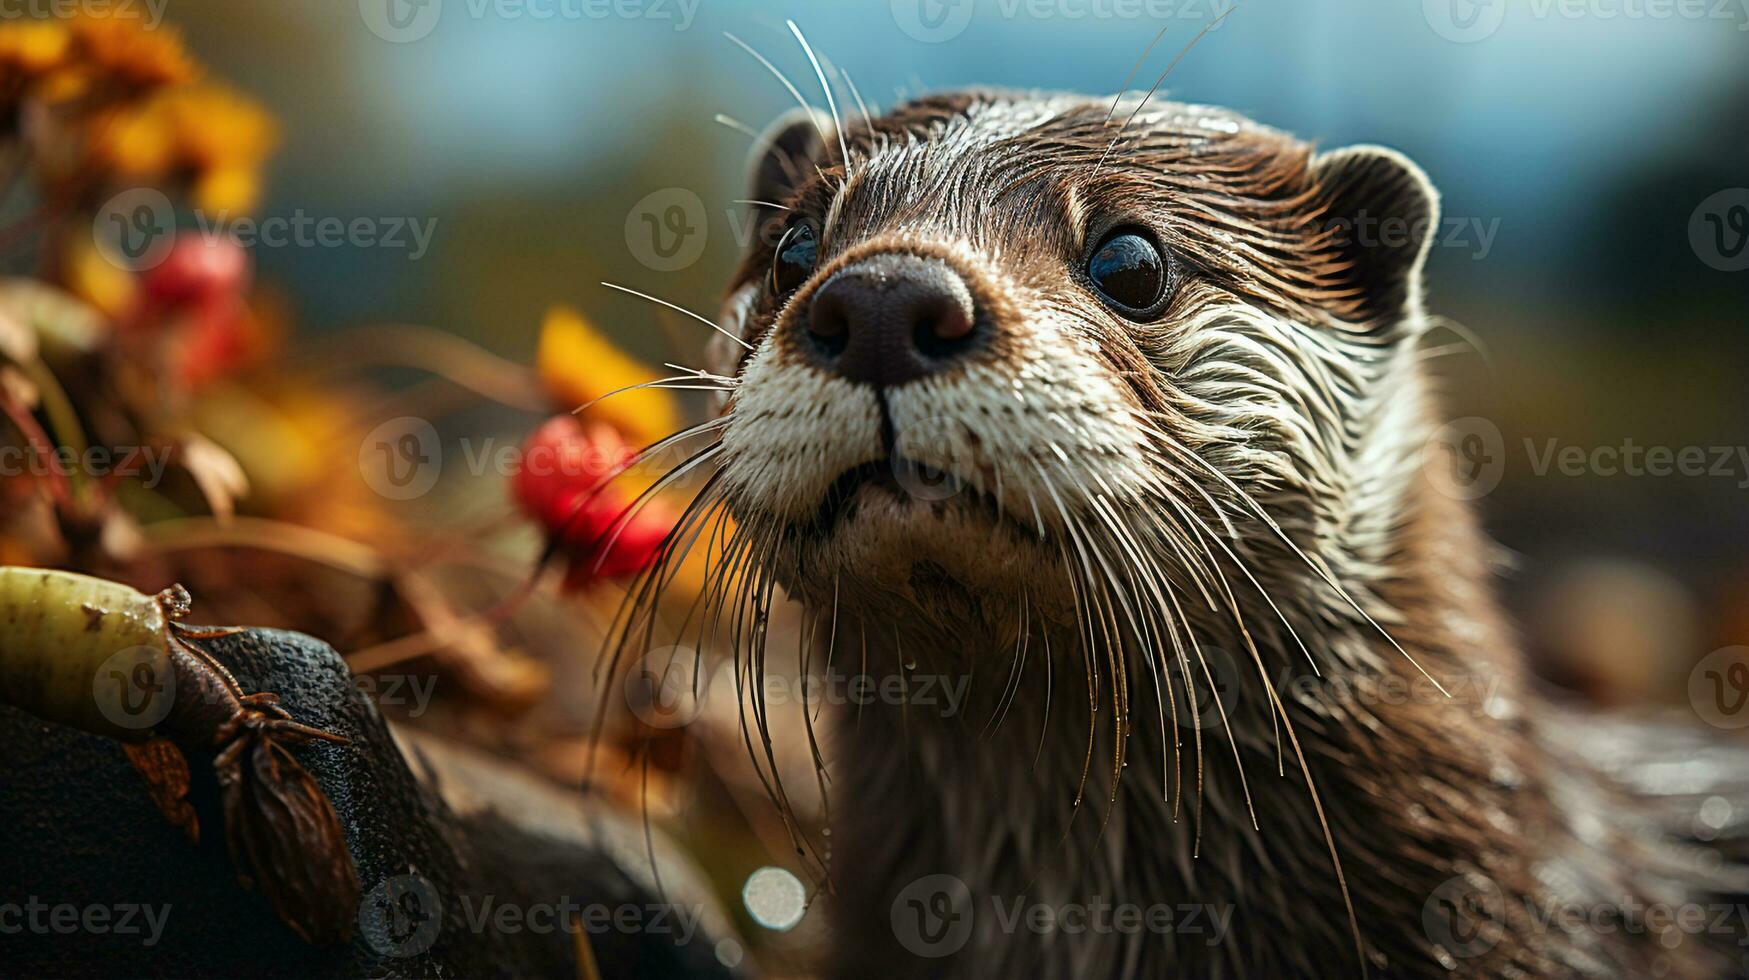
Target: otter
(1179,522)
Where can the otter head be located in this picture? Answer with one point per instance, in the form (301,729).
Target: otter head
(1015,346)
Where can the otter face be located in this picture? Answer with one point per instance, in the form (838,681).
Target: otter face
(1012,332)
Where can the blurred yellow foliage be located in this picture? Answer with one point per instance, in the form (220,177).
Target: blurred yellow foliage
(127,51)
(32,48)
(219,136)
(579,365)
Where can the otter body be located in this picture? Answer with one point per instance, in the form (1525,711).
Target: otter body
(1242,703)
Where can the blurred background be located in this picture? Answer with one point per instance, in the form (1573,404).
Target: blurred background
(1577,145)
(1591,280)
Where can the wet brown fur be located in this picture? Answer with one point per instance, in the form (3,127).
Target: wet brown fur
(1428,800)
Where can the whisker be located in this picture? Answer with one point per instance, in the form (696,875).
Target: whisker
(831,103)
(787,84)
(738,126)
(680,309)
(1127,79)
(861,106)
(1211,25)
(667,383)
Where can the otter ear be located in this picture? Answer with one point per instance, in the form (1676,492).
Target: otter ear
(783,157)
(1385,212)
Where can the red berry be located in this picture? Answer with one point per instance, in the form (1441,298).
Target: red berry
(565,483)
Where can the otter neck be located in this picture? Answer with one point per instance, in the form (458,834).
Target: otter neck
(1034,801)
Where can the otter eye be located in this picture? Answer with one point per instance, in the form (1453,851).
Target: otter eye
(1129,273)
(797,251)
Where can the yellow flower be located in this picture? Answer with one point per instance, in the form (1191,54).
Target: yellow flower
(227,190)
(124,50)
(32,48)
(212,135)
(216,127)
(96,278)
(134,144)
(579,365)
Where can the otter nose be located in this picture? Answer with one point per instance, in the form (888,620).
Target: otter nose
(891,319)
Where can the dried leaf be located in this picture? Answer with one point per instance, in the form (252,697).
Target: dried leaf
(57,318)
(217,473)
(286,840)
(17,342)
(166,771)
(18,388)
